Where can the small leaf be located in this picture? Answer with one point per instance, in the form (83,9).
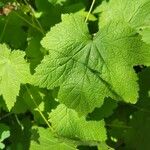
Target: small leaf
(4,134)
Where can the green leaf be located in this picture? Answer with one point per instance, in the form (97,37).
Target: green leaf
(4,134)
(105,110)
(1,4)
(135,12)
(33,51)
(78,8)
(145,34)
(144,81)
(87,68)
(104,146)
(137,137)
(14,70)
(44,139)
(20,133)
(57,1)
(48,11)
(67,123)
(12,31)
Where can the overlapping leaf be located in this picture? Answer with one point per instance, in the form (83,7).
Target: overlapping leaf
(134,12)
(105,110)
(67,123)
(12,31)
(4,134)
(145,32)
(14,70)
(44,139)
(137,136)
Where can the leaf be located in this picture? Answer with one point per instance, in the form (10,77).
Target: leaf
(67,123)
(60,2)
(44,139)
(14,71)
(145,34)
(11,30)
(105,110)
(48,11)
(4,134)
(78,8)
(137,137)
(144,82)
(33,51)
(89,69)
(131,122)
(104,146)
(43,98)
(135,12)
(20,133)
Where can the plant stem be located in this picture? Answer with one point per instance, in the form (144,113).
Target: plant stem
(91,7)
(24,19)
(40,112)
(5,116)
(28,22)
(33,13)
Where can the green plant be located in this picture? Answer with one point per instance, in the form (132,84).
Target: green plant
(74,74)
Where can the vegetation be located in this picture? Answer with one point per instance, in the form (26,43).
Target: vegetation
(75,75)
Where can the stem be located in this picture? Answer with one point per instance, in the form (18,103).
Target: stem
(40,112)
(18,121)
(33,12)
(34,26)
(2,34)
(91,7)
(119,126)
(5,116)
(28,22)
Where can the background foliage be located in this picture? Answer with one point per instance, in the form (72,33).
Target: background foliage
(74,74)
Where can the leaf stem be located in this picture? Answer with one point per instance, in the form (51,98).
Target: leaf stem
(28,22)
(18,121)
(5,116)
(34,26)
(33,13)
(40,112)
(91,7)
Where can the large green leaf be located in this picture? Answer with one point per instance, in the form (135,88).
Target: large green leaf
(14,70)
(87,68)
